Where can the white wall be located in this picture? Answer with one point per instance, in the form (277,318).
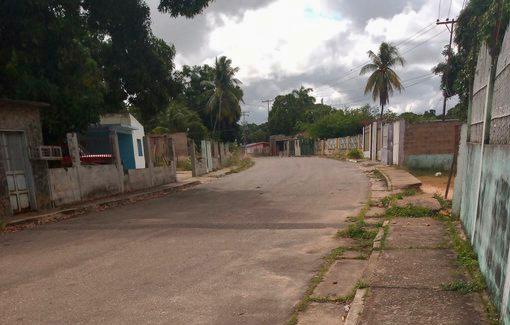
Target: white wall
(138,135)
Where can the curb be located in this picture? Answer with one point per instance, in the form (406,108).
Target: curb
(356,307)
(109,204)
(388,180)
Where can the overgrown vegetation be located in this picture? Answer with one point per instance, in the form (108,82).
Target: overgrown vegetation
(391,199)
(358,230)
(184,164)
(355,154)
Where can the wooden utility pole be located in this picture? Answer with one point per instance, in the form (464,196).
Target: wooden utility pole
(450,25)
(268,101)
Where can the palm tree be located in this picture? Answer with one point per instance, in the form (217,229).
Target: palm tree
(226,95)
(383,80)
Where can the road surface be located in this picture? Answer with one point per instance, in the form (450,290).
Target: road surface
(239,250)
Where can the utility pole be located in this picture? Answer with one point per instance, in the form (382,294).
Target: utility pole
(245,131)
(268,101)
(450,25)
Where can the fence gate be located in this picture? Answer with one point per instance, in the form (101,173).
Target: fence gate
(15,162)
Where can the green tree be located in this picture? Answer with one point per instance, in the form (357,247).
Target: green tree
(383,80)
(86,57)
(177,117)
(289,110)
(225,96)
(340,123)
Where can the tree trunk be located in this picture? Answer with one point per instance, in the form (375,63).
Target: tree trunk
(382,110)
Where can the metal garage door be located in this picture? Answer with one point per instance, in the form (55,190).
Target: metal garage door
(15,164)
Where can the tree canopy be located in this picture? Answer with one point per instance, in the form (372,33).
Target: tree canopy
(87,57)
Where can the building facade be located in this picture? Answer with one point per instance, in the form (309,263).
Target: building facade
(24,181)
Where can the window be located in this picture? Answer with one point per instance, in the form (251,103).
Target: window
(140,150)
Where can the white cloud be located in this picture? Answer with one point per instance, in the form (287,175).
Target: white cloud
(280,45)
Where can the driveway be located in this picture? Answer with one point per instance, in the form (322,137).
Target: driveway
(240,250)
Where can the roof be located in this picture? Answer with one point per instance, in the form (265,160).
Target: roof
(23,102)
(256,144)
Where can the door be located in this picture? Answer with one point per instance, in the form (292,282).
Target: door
(15,163)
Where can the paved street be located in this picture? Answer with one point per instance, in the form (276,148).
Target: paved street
(239,250)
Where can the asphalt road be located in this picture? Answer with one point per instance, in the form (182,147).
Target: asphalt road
(240,250)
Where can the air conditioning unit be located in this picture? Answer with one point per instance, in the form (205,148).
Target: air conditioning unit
(50,153)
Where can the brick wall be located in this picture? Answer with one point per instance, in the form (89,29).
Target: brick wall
(428,138)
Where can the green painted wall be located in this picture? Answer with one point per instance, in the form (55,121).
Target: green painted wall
(438,162)
(491,221)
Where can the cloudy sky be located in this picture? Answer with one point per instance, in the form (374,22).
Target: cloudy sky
(280,45)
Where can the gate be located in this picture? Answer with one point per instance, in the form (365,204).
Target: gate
(15,163)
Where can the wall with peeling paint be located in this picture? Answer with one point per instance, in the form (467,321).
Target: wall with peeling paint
(485,175)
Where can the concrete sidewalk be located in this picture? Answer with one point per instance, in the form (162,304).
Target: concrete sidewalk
(417,278)
(70,211)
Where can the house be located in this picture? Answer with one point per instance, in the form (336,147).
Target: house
(23,171)
(418,145)
(258,148)
(129,133)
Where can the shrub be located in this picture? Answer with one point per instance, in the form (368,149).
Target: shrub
(184,164)
(355,154)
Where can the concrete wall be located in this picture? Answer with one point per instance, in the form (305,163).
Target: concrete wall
(74,184)
(181,145)
(138,135)
(485,173)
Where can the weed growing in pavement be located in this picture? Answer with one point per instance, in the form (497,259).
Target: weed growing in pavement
(466,257)
(408,211)
(391,199)
(445,204)
(358,230)
(377,174)
(329,259)
(462,286)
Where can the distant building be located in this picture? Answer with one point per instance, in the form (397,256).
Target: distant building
(130,134)
(258,148)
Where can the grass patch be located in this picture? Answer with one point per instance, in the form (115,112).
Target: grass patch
(243,164)
(408,211)
(462,286)
(358,230)
(391,199)
(445,204)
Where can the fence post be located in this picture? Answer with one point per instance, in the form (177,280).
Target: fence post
(171,153)
(74,153)
(149,163)
(114,140)
(191,150)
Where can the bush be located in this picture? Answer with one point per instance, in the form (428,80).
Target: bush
(355,154)
(184,164)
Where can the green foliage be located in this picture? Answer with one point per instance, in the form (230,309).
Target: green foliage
(202,87)
(383,80)
(355,154)
(184,164)
(177,117)
(358,230)
(462,286)
(257,133)
(339,123)
(288,110)
(225,96)
(86,58)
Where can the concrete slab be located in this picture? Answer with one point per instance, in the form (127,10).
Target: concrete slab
(353,254)
(416,233)
(399,178)
(421,306)
(375,212)
(347,243)
(341,278)
(324,314)
(416,268)
(421,200)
